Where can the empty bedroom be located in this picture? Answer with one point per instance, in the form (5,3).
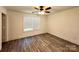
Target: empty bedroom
(39,29)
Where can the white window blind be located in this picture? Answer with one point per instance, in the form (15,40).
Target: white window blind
(31,22)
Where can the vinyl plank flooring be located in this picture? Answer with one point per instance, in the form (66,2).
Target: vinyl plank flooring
(40,43)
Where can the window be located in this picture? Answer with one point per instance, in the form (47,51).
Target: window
(31,22)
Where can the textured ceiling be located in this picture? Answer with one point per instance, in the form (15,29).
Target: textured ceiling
(30,9)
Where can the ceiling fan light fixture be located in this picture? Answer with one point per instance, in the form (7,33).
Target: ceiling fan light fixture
(42,13)
(42,9)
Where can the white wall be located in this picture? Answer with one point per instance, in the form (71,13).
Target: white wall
(3,10)
(65,25)
(15,23)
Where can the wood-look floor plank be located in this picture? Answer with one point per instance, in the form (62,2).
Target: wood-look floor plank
(40,43)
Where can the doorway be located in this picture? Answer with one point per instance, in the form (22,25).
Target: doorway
(4,28)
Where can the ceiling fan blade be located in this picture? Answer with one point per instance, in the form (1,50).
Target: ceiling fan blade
(36,8)
(47,12)
(35,12)
(48,8)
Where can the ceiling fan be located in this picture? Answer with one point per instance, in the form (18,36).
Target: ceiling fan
(42,9)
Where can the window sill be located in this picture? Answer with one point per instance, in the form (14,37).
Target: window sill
(29,29)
